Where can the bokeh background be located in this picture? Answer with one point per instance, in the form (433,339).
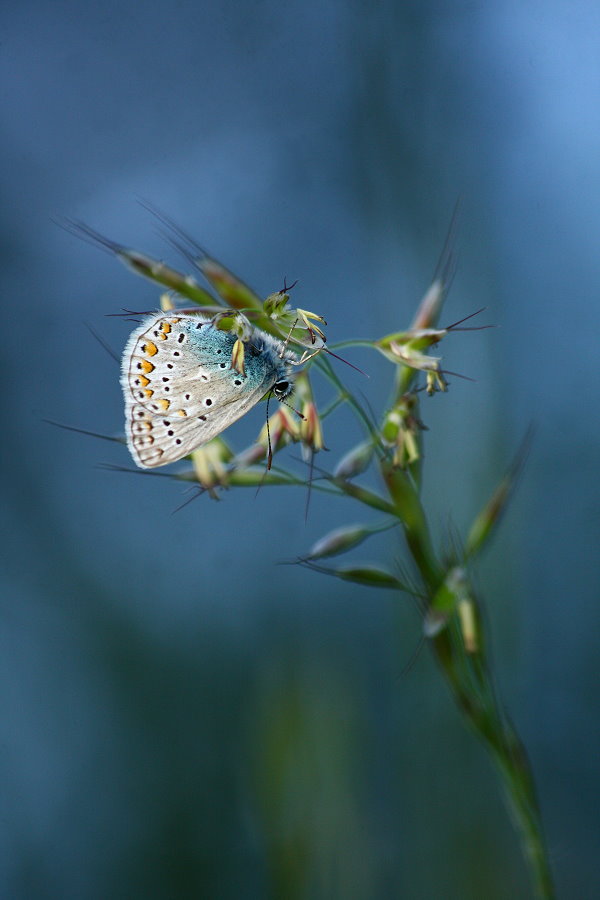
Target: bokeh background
(181,715)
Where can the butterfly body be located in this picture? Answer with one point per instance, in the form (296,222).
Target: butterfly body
(180,388)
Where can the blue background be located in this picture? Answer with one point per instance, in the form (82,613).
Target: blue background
(182,716)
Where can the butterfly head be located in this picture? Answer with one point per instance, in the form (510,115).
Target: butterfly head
(283,388)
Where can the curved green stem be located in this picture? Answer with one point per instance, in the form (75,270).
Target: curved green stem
(471,684)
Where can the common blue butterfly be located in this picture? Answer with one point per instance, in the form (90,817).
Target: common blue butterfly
(180,387)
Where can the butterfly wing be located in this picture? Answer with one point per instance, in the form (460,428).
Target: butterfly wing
(180,390)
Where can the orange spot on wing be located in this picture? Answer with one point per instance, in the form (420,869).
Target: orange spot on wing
(143,440)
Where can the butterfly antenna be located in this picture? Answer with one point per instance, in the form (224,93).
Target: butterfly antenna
(270,449)
(269,445)
(293,409)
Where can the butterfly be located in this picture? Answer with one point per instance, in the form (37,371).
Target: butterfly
(180,387)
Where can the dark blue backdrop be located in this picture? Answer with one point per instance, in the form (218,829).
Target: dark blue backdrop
(161,674)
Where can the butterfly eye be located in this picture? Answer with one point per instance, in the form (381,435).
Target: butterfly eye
(281,389)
